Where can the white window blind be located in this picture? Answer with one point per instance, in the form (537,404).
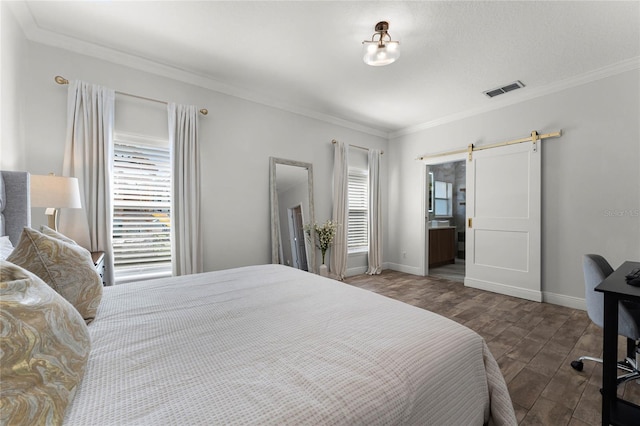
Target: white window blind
(358,221)
(141,204)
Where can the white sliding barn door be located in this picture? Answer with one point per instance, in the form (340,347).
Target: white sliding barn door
(503,220)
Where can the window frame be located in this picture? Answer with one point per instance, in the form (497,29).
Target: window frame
(448,198)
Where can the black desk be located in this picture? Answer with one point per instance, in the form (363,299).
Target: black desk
(615,410)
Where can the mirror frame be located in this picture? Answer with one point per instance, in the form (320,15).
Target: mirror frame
(275,210)
(431,188)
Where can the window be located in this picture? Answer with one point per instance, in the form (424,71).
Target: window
(443,198)
(141,207)
(358,221)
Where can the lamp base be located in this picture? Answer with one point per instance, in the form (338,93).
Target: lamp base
(52,215)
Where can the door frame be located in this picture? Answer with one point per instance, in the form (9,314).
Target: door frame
(424,232)
(292,235)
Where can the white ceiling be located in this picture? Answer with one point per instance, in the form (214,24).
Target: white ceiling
(306,56)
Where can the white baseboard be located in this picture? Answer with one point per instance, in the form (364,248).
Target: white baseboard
(355,271)
(508,290)
(536,296)
(405,268)
(359,270)
(562,300)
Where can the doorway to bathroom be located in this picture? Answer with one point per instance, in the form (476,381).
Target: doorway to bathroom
(445,220)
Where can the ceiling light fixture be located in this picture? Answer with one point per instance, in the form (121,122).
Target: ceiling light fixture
(382,51)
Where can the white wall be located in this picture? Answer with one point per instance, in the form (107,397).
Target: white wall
(590,177)
(12,65)
(237,138)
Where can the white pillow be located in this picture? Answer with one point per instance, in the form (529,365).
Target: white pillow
(5,247)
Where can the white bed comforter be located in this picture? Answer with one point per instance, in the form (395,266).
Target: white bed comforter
(274,345)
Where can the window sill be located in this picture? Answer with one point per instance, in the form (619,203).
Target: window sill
(127,276)
(358,251)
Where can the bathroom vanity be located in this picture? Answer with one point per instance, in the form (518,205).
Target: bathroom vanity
(442,245)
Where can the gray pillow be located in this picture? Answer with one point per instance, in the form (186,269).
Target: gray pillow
(3,194)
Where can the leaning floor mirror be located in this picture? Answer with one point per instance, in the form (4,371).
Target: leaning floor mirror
(291,187)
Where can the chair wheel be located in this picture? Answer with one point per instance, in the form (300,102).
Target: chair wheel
(577,365)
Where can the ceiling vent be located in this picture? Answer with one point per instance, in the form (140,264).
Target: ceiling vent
(504,89)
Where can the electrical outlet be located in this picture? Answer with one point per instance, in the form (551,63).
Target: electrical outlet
(404,254)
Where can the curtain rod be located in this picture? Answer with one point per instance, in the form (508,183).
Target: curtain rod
(62,80)
(355,146)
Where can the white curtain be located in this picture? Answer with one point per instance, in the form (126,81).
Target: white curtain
(185,198)
(340,209)
(88,157)
(375,221)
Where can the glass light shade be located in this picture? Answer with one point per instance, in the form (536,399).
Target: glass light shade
(377,55)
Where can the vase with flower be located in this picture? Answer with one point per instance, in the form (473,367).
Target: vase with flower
(324,235)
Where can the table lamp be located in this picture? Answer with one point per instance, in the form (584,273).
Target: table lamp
(54,192)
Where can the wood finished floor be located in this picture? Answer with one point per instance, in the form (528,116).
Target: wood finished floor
(533,343)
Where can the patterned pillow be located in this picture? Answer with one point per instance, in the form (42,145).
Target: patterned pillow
(67,268)
(55,234)
(44,348)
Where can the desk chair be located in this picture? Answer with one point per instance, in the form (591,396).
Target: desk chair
(596,269)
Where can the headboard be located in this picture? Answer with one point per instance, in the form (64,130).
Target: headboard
(15,204)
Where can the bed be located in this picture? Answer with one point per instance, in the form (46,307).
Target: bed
(269,344)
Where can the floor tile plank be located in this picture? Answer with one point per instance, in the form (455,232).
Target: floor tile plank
(533,343)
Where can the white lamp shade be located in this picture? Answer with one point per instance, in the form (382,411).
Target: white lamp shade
(376,55)
(55,191)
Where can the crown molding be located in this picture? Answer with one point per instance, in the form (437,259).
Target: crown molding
(49,38)
(36,34)
(525,95)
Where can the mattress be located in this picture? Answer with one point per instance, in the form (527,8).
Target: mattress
(271,344)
